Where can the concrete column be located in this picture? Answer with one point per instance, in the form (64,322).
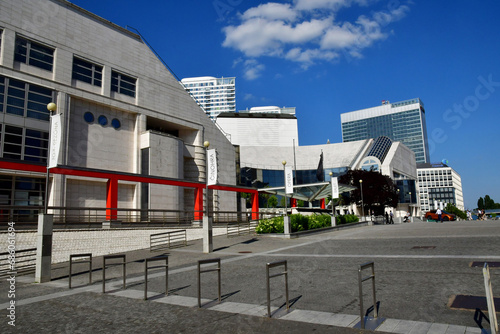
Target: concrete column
(44,248)
(286,222)
(334,222)
(208,245)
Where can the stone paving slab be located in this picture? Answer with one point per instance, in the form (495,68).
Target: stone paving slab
(413,285)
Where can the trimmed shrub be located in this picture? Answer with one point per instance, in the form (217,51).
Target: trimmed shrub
(298,223)
(319,221)
(346,219)
(270,225)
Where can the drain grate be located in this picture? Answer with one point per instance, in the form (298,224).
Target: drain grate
(481,264)
(245,252)
(468,302)
(423,247)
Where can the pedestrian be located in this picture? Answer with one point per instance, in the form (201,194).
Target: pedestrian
(386,217)
(392,220)
(440,215)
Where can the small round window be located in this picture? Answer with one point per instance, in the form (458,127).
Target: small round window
(88,117)
(116,123)
(102,120)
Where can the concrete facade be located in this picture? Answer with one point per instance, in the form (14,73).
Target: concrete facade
(259,129)
(160,116)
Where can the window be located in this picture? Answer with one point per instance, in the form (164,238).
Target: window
(24,99)
(123,84)
(88,117)
(34,54)
(103,120)
(25,144)
(87,72)
(115,123)
(35,145)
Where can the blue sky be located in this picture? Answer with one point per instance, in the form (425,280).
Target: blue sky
(327,57)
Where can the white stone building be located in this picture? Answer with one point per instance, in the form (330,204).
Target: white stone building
(439,185)
(214,95)
(123,114)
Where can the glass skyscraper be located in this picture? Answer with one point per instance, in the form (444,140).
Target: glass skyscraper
(402,121)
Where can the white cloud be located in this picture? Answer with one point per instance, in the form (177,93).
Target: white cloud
(271,11)
(253,69)
(306,32)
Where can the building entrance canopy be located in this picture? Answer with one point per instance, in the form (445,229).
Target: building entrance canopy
(308,192)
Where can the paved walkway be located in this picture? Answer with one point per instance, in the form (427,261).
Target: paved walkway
(419,268)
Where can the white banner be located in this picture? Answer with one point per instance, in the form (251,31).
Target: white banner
(55,140)
(335,187)
(288,180)
(212,167)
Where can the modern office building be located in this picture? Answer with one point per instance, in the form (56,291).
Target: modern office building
(214,95)
(401,121)
(270,110)
(261,126)
(131,136)
(262,166)
(439,184)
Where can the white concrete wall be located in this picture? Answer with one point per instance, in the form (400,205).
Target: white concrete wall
(98,242)
(260,131)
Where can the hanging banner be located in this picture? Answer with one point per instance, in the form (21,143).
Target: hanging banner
(288,180)
(212,167)
(335,187)
(55,140)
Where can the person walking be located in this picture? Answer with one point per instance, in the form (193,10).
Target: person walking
(386,218)
(392,220)
(440,215)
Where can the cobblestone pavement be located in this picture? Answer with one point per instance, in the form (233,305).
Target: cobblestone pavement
(419,269)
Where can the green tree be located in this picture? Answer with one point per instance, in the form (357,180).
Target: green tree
(378,190)
(457,212)
(488,203)
(480,203)
(272,201)
(282,202)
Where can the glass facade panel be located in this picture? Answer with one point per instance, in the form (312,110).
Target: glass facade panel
(407,127)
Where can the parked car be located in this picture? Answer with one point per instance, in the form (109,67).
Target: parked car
(445,215)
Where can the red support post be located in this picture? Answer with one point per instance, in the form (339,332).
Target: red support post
(112,199)
(198,203)
(322,203)
(255,206)
(293,202)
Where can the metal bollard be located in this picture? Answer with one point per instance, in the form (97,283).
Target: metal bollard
(71,257)
(201,262)
(146,267)
(268,277)
(123,263)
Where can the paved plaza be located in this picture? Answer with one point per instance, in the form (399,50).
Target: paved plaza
(419,269)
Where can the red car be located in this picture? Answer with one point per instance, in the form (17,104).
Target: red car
(445,215)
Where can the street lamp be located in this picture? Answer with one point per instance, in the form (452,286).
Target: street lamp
(284,176)
(206,144)
(207,222)
(51,107)
(362,203)
(333,208)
